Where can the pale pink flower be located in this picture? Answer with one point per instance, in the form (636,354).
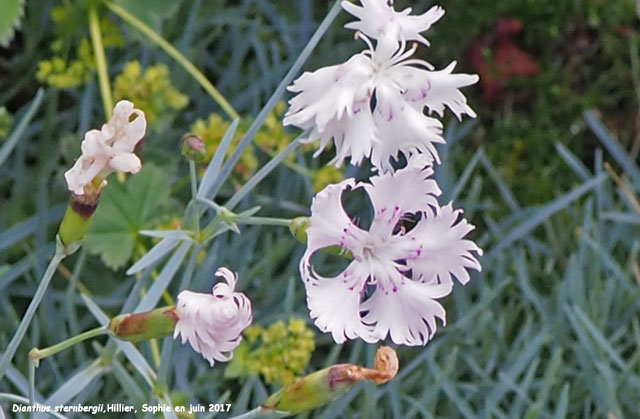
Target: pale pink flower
(398,273)
(109,149)
(213,323)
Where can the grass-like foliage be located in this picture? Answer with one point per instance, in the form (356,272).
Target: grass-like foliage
(549,176)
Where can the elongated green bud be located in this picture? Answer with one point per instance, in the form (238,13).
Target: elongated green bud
(329,384)
(142,326)
(79,216)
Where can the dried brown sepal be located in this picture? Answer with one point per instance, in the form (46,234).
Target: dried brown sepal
(321,387)
(385,367)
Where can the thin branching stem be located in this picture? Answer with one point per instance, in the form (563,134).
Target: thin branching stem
(265,221)
(37,354)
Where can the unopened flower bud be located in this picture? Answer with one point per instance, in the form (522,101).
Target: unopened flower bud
(142,326)
(193,148)
(329,384)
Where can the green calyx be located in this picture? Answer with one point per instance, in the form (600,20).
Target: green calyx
(143,326)
(314,390)
(79,216)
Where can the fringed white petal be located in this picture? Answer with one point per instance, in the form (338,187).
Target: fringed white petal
(442,252)
(411,188)
(329,223)
(408,313)
(439,89)
(213,323)
(329,93)
(334,303)
(403,129)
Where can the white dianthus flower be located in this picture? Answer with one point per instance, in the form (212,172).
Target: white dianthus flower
(109,149)
(213,323)
(372,106)
(397,274)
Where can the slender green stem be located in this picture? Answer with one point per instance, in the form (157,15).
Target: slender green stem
(265,221)
(176,55)
(37,354)
(194,179)
(194,195)
(31,310)
(101,61)
(72,315)
(32,383)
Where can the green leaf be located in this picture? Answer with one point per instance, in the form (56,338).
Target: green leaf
(124,210)
(151,12)
(10,15)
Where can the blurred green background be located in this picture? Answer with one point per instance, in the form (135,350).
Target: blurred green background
(550,328)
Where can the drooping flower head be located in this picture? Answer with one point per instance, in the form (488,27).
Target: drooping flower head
(109,149)
(397,274)
(373,106)
(213,323)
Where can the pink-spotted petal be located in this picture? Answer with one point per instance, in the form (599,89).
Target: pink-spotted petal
(443,252)
(408,314)
(404,129)
(411,188)
(438,89)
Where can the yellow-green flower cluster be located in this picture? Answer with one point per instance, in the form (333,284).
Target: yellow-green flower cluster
(73,61)
(151,91)
(271,138)
(64,74)
(280,353)
(5,122)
